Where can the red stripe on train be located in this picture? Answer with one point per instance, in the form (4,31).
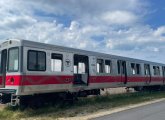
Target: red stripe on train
(41,80)
(38,80)
(0,79)
(103,79)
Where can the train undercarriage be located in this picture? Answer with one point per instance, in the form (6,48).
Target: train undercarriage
(38,100)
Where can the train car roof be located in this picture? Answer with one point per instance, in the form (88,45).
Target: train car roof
(39,45)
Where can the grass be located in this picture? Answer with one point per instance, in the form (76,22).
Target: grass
(82,107)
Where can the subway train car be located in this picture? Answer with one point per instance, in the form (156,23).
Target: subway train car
(31,72)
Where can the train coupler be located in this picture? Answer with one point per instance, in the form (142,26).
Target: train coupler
(14,100)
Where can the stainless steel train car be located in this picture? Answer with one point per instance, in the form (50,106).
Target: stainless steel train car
(30,70)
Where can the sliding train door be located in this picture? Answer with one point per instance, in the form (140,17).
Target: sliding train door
(81,69)
(122,71)
(3,67)
(147,73)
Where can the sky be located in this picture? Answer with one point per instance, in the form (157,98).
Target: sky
(130,28)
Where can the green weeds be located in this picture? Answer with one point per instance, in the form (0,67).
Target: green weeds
(81,107)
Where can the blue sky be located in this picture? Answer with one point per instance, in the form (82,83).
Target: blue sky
(157,17)
(131,28)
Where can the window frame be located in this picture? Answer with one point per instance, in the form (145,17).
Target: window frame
(36,60)
(8,60)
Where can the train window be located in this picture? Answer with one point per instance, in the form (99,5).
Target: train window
(75,69)
(156,70)
(118,66)
(163,70)
(123,67)
(56,62)
(36,60)
(138,69)
(13,60)
(81,67)
(41,61)
(133,68)
(146,69)
(107,66)
(32,60)
(100,66)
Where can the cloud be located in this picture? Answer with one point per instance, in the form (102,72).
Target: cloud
(17,22)
(119,17)
(109,26)
(160,31)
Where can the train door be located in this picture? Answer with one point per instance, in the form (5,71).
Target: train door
(163,71)
(147,73)
(3,67)
(122,70)
(81,69)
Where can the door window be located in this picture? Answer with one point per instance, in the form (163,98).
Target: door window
(146,69)
(81,67)
(13,59)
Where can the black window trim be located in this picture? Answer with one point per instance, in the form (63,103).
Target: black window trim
(36,59)
(8,59)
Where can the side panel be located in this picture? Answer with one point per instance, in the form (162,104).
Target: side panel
(158,78)
(122,70)
(36,81)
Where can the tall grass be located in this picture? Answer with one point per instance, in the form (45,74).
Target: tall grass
(82,106)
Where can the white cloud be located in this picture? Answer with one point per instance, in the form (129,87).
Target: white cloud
(74,25)
(15,22)
(111,26)
(160,31)
(119,17)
